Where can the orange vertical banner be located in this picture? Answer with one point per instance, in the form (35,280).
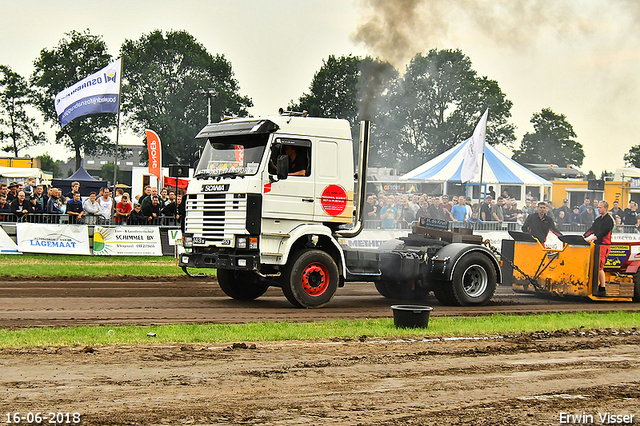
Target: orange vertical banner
(155,154)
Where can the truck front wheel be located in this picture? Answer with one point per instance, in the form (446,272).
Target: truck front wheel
(311,279)
(240,285)
(474,282)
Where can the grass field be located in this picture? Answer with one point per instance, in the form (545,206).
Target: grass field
(493,325)
(42,265)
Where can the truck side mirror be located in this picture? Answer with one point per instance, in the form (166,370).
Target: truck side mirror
(283,167)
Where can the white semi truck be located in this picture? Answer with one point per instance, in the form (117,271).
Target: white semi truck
(270,199)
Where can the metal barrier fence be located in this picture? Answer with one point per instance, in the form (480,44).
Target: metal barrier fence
(502,226)
(168,221)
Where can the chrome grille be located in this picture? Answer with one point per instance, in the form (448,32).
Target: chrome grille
(216,217)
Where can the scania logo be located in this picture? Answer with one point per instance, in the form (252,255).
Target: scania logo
(215,187)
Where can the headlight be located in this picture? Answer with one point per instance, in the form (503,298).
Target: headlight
(187,241)
(184,259)
(241,242)
(242,263)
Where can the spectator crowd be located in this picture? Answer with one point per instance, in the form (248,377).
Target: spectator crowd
(28,202)
(398,211)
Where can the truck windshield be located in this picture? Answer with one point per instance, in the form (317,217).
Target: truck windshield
(231,156)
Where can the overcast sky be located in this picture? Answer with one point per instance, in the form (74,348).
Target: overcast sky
(578,57)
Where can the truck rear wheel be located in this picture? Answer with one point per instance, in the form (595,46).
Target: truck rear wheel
(311,279)
(636,287)
(240,285)
(474,282)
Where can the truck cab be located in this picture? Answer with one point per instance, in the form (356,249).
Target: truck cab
(265,187)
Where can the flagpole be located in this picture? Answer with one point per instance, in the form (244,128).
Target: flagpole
(115,157)
(481,170)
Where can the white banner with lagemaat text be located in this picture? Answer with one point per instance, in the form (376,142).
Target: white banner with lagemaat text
(52,239)
(127,241)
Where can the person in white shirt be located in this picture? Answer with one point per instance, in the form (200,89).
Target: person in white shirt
(106,205)
(91,208)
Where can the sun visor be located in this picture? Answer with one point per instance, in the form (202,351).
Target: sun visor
(233,128)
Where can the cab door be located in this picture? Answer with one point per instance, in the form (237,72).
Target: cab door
(291,198)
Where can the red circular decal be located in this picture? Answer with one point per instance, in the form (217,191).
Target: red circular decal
(333,200)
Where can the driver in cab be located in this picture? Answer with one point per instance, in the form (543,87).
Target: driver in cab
(297,163)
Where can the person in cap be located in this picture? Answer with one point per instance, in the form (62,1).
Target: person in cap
(13,192)
(574,217)
(563,208)
(539,225)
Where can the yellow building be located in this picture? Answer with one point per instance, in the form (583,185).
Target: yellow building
(20,162)
(577,190)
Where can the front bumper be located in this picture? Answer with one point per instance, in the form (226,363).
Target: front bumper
(242,261)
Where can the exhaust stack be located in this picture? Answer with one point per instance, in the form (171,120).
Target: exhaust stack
(361,187)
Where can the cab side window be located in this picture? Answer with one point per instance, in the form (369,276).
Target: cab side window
(298,153)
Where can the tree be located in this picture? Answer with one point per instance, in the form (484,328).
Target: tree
(553,141)
(343,86)
(435,105)
(106,173)
(632,158)
(17,129)
(162,78)
(48,164)
(76,56)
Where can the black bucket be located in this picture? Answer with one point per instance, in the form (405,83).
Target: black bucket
(411,316)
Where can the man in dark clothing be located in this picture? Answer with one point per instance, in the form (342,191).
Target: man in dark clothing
(600,234)
(4,207)
(297,162)
(13,192)
(485,209)
(74,209)
(20,206)
(182,207)
(616,210)
(152,211)
(540,224)
(40,197)
(587,216)
(563,208)
(137,217)
(575,218)
(631,214)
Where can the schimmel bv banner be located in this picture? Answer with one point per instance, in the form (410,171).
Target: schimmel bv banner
(52,239)
(127,241)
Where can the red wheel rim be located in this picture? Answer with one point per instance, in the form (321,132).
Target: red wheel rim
(315,279)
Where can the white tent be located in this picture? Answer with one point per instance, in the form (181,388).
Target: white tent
(498,171)
(21,172)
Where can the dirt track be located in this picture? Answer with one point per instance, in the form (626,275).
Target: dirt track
(527,379)
(26,303)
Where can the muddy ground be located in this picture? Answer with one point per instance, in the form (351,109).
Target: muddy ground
(513,380)
(530,379)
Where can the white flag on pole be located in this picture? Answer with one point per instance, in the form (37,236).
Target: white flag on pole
(474,150)
(95,94)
